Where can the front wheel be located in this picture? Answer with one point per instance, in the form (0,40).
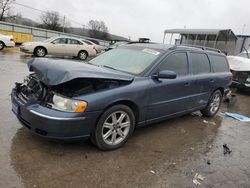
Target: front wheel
(1,45)
(114,128)
(213,104)
(40,52)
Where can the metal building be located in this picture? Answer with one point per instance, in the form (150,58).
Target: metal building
(223,39)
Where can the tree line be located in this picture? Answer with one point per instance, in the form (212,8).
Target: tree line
(51,20)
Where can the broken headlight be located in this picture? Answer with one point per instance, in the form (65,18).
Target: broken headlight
(68,105)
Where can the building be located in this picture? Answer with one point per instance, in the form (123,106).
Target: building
(223,39)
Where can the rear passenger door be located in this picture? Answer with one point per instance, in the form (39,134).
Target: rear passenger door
(73,47)
(171,96)
(201,73)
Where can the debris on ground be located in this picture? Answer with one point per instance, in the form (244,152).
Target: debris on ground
(220,114)
(196,179)
(226,149)
(151,171)
(209,122)
(229,98)
(238,116)
(208,162)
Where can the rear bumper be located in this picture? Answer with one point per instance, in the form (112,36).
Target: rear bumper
(10,44)
(51,123)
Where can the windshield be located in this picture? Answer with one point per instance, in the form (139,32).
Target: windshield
(127,60)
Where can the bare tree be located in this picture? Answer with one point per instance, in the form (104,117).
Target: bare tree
(51,20)
(97,29)
(5,6)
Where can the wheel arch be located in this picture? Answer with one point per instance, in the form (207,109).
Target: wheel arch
(132,105)
(83,51)
(221,89)
(3,43)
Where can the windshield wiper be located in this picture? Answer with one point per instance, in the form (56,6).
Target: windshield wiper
(109,67)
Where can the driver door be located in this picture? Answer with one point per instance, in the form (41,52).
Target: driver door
(171,96)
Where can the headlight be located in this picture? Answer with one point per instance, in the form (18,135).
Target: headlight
(68,105)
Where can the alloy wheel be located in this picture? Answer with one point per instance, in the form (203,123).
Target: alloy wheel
(215,103)
(116,128)
(40,52)
(82,55)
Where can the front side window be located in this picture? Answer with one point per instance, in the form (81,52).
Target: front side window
(60,41)
(200,63)
(176,62)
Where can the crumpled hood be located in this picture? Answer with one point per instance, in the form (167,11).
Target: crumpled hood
(54,72)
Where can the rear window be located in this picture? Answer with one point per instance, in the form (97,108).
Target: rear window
(200,63)
(219,63)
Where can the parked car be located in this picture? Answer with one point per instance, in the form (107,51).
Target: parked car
(62,46)
(115,45)
(97,47)
(240,68)
(131,86)
(244,54)
(6,41)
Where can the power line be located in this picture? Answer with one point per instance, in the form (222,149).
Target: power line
(39,10)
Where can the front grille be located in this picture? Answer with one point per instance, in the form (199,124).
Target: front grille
(31,88)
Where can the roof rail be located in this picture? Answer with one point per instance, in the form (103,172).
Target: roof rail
(200,47)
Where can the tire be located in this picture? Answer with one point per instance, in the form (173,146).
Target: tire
(213,105)
(82,55)
(116,131)
(1,45)
(40,52)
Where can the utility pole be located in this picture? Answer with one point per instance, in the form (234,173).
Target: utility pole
(63,23)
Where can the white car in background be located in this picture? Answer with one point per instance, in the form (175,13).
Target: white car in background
(97,47)
(6,41)
(61,46)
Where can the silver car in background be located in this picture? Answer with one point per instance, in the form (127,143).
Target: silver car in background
(62,46)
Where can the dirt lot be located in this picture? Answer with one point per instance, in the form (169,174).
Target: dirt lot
(167,154)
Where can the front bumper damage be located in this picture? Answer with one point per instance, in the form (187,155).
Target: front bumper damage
(51,123)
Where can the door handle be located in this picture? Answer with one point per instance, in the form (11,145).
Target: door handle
(211,80)
(187,84)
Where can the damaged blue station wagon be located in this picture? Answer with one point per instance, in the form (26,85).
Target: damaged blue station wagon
(133,85)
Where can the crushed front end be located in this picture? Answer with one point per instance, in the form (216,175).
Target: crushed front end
(34,105)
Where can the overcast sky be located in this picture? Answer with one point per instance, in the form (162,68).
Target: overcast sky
(148,18)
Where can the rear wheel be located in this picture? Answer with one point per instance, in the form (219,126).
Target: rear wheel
(213,104)
(114,128)
(40,52)
(1,45)
(82,55)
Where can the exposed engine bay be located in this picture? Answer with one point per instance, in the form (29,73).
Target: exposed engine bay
(33,88)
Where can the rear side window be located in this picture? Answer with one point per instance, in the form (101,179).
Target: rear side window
(73,41)
(176,62)
(219,63)
(200,63)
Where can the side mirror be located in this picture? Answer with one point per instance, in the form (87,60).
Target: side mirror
(165,74)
